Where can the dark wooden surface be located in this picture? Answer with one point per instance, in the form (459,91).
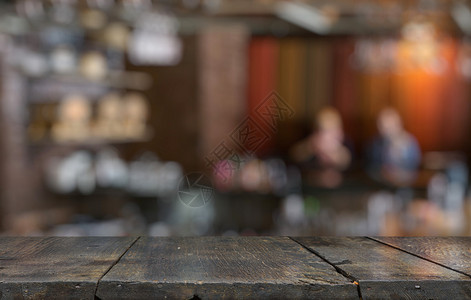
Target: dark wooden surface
(235,267)
(56,268)
(223,267)
(385,272)
(452,252)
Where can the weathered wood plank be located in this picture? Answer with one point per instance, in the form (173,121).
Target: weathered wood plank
(384,272)
(453,252)
(56,268)
(222,267)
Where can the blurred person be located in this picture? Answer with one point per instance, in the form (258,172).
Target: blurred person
(325,149)
(394,156)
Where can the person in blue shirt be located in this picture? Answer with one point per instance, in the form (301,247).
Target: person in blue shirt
(394,156)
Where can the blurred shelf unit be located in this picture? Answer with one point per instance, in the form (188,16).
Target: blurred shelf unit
(53,86)
(91,143)
(78,120)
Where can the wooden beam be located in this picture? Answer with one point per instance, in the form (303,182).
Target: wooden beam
(383,272)
(452,252)
(223,267)
(56,268)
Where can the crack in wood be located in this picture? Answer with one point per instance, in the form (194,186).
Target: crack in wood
(112,265)
(339,270)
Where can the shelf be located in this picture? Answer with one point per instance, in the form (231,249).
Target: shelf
(52,87)
(92,142)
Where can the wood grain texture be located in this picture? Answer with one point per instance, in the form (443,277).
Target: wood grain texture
(56,268)
(453,252)
(222,267)
(384,272)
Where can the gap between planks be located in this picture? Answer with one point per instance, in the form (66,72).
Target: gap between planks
(112,265)
(339,270)
(417,255)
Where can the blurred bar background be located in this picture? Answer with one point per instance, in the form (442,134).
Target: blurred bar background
(222,117)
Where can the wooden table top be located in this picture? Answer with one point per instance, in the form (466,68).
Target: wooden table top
(235,268)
